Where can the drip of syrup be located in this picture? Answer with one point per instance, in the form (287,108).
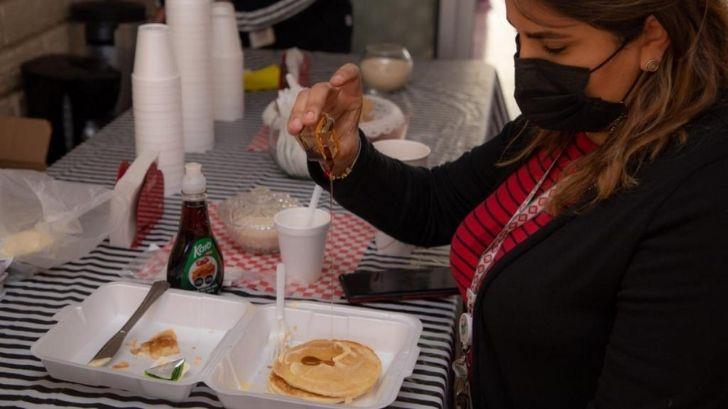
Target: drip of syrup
(322,145)
(313,361)
(329,168)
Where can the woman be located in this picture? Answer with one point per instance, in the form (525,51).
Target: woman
(609,287)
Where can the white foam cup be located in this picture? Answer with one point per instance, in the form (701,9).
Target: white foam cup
(153,58)
(223,8)
(302,247)
(225,35)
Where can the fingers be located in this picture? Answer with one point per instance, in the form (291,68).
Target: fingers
(295,121)
(348,81)
(311,102)
(347,74)
(317,98)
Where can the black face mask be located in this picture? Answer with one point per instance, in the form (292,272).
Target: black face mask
(551,96)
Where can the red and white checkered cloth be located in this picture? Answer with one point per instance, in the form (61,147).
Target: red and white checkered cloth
(259,143)
(346,242)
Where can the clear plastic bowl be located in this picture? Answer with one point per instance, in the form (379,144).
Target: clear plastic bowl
(248,218)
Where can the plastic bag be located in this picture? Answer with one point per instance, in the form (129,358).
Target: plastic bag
(285,149)
(46,222)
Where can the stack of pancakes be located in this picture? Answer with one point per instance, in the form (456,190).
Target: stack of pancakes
(325,371)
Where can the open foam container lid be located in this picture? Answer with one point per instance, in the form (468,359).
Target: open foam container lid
(225,340)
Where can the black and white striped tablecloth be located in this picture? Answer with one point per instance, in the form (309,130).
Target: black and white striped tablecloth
(454,105)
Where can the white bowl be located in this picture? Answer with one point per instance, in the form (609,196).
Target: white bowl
(385,119)
(411,152)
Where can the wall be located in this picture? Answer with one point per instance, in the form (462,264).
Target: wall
(28,28)
(411,23)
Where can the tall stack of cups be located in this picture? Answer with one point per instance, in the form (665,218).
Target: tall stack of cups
(157,104)
(190,23)
(227,64)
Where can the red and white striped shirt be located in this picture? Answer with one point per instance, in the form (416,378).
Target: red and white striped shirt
(484,223)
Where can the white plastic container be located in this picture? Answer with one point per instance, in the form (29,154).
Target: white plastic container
(230,337)
(240,378)
(203,324)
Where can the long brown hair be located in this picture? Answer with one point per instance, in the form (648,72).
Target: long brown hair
(692,75)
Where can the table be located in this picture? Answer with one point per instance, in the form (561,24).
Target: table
(454,105)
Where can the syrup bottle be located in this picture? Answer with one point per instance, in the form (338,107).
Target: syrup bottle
(195,262)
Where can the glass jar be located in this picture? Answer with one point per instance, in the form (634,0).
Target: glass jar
(386,67)
(248,218)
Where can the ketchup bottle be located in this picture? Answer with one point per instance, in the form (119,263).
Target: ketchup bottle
(195,262)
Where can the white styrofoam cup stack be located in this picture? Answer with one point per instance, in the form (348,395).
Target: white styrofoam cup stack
(190,23)
(227,64)
(157,104)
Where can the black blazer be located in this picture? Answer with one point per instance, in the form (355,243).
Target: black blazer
(621,306)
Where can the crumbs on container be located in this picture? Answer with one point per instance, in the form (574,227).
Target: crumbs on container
(197,360)
(193,348)
(244,386)
(295,328)
(121,365)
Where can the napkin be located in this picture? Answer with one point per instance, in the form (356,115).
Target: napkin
(296,63)
(289,153)
(138,202)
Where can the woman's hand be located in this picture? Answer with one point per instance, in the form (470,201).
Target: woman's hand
(341,98)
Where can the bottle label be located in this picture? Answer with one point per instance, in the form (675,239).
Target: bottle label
(202,267)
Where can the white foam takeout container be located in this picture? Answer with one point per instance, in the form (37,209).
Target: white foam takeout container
(241,376)
(228,336)
(203,323)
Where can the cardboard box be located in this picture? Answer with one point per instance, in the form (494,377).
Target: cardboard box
(24,143)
